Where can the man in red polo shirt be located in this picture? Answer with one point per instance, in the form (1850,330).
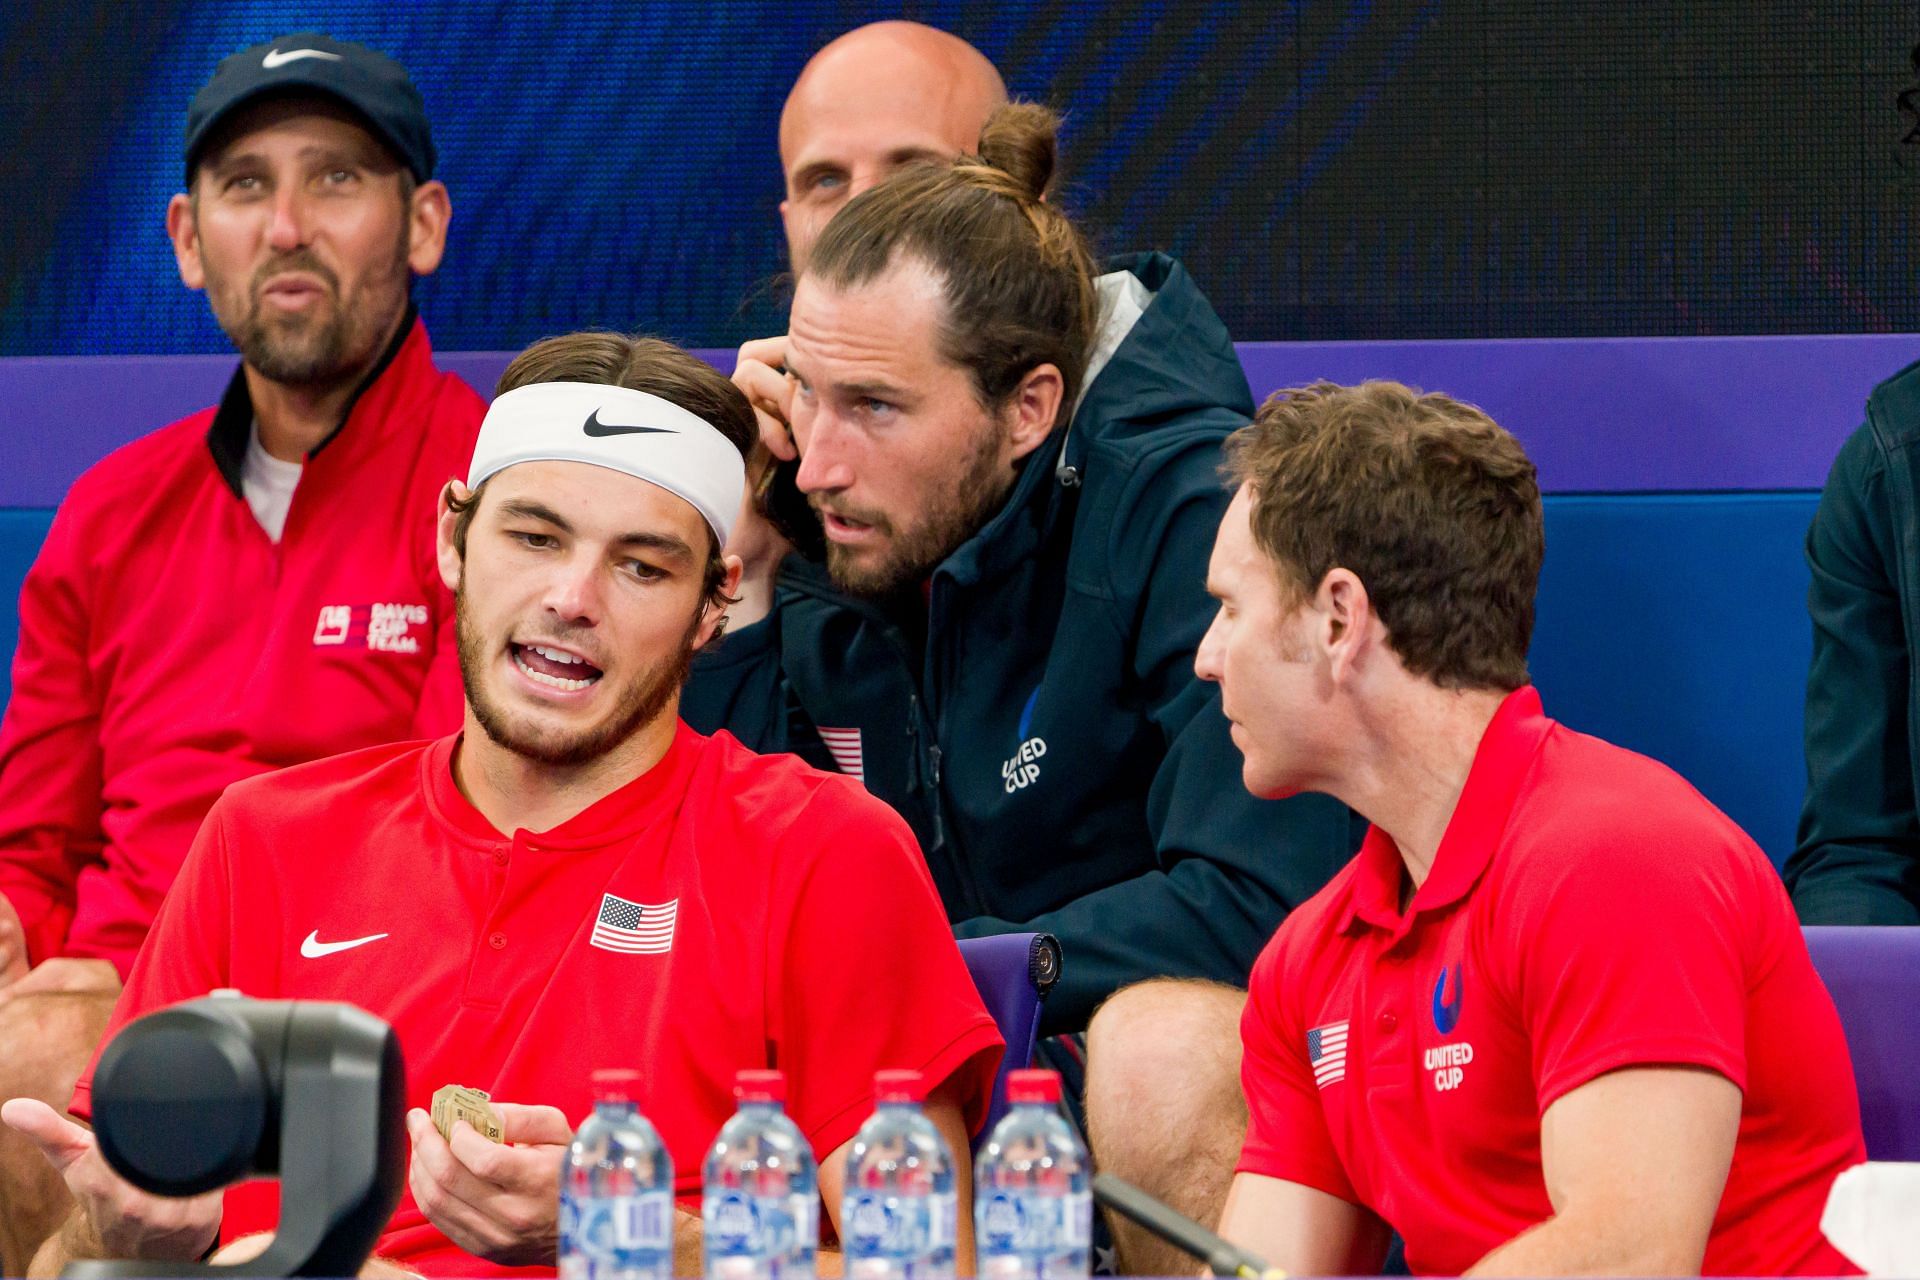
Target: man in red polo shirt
(1557,1015)
(577,879)
(251,587)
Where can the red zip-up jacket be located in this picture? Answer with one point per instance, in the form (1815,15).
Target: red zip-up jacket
(168,647)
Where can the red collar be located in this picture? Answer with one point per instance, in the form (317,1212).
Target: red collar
(381,407)
(618,816)
(1475,831)
(402,373)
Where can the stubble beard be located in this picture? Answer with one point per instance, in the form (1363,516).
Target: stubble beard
(311,351)
(640,704)
(952,515)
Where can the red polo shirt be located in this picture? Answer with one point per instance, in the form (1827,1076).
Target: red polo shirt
(724,910)
(169,647)
(1587,911)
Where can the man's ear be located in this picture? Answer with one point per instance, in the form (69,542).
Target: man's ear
(713,614)
(1345,629)
(183,229)
(428,214)
(450,557)
(1033,408)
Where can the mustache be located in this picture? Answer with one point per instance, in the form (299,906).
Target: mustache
(823,505)
(586,647)
(302,260)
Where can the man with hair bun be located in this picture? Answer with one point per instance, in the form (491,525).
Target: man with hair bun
(1014,463)
(878,97)
(584,549)
(1557,1016)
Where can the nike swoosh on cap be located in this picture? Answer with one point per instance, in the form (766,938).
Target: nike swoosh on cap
(596,428)
(312,948)
(275,58)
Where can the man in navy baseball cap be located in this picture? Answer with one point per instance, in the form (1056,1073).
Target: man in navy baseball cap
(274,597)
(374,85)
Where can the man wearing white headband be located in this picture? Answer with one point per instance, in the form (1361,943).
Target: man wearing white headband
(577,880)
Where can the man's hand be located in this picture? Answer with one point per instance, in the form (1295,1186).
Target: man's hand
(122,1220)
(497,1201)
(760,372)
(13,946)
(65,973)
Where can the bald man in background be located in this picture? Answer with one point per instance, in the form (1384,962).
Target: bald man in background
(876,98)
(1161,1054)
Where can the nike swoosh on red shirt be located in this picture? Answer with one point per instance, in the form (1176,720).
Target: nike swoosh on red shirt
(313,949)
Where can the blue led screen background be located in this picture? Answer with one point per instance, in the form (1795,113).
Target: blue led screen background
(1355,170)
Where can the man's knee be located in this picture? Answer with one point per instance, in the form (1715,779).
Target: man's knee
(1163,1073)
(1167,1032)
(46,1039)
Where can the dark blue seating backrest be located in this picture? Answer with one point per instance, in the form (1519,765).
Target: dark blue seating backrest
(21,533)
(1676,625)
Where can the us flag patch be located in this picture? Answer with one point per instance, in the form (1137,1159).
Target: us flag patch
(844,745)
(1327,1053)
(634,928)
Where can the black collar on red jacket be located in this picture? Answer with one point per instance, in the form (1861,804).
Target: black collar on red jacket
(233,420)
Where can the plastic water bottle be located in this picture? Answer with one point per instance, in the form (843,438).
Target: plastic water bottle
(899,1214)
(760,1211)
(616,1191)
(1032,1210)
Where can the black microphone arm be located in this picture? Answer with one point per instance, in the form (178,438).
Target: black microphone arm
(1222,1256)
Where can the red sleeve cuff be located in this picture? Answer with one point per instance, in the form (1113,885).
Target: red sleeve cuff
(1621,1055)
(1294,1166)
(44,919)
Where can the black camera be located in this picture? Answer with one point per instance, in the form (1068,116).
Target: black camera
(205,1093)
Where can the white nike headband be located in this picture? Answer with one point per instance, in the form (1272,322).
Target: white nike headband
(620,429)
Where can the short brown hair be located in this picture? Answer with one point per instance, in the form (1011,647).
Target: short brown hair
(605,358)
(1017,275)
(1427,500)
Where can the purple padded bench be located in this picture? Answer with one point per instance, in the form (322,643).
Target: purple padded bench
(1874,975)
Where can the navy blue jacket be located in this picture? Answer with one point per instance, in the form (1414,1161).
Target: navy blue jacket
(1036,718)
(1857,860)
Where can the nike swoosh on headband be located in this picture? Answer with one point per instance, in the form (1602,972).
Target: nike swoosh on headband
(275,58)
(598,429)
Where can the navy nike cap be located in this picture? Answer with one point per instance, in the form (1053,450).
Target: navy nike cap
(368,81)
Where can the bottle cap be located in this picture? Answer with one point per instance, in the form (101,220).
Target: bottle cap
(760,1086)
(1033,1086)
(899,1086)
(615,1084)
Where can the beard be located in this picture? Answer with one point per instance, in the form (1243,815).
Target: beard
(638,705)
(318,350)
(952,514)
